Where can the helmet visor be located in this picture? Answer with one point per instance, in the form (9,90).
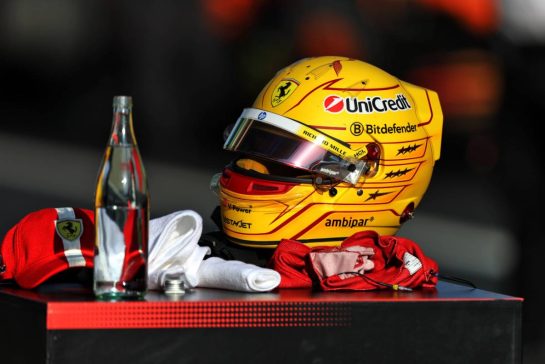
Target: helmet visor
(259,138)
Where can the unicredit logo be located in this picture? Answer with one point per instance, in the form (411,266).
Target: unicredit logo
(353,105)
(334,104)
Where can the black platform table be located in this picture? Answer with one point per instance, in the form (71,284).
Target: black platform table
(451,324)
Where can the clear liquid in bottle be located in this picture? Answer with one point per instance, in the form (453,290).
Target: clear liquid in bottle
(121,213)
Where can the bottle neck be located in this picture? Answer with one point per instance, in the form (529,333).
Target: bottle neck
(122,130)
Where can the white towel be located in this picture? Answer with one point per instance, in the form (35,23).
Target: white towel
(235,275)
(173,248)
(174,252)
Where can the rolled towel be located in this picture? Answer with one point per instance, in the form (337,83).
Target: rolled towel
(173,248)
(235,275)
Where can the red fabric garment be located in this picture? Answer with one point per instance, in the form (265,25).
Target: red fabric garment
(289,259)
(396,262)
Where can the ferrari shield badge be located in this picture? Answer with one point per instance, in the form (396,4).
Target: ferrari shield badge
(283,90)
(69,229)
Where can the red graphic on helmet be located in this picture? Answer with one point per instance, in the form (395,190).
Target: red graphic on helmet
(337,66)
(333,104)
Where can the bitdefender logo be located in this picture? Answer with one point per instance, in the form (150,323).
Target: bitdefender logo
(335,104)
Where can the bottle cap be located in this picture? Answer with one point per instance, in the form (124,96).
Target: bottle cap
(174,286)
(123,102)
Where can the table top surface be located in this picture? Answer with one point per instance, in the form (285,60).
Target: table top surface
(445,291)
(69,307)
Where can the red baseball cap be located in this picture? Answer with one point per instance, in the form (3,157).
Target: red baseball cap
(47,242)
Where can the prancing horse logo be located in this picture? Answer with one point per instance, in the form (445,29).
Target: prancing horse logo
(283,90)
(69,229)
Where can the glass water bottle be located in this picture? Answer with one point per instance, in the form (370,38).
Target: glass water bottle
(121,212)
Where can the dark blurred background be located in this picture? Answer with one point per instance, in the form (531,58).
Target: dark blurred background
(191,66)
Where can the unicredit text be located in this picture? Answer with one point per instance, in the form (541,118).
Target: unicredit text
(376,104)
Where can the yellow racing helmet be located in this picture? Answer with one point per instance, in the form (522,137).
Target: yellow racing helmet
(331,146)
